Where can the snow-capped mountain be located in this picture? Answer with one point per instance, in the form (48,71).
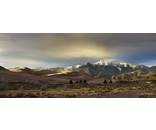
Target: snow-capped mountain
(113,62)
(116,62)
(39,68)
(102,63)
(72,67)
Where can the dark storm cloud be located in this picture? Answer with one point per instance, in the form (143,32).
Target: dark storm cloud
(36,49)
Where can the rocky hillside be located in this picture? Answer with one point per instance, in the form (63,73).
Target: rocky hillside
(145,73)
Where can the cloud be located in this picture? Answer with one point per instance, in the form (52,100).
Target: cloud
(57,46)
(38,48)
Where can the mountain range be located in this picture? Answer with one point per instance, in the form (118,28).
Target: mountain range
(105,68)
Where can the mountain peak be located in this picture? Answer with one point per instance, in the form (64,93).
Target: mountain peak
(88,63)
(109,62)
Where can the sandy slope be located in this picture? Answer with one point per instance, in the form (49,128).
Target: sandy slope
(3,69)
(23,73)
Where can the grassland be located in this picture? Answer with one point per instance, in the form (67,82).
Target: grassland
(41,89)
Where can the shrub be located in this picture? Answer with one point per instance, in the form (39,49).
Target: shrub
(10,88)
(35,88)
(49,95)
(80,81)
(26,81)
(31,95)
(15,96)
(37,83)
(3,84)
(37,93)
(151,96)
(105,82)
(21,88)
(143,96)
(3,96)
(110,81)
(20,95)
(84,81)
(44,88)
(58,88)
(70,82)
(15,88)
(43,93)
(65,87)
(10,95)
(70,96)
(76,82)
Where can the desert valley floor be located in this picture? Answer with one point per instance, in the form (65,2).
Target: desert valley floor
(23,82)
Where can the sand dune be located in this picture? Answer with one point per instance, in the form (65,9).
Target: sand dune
(3,69)
(23,70)
(23,73)
(61,72)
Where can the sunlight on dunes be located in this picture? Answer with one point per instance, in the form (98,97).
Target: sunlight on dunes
(60,72)
(17,69)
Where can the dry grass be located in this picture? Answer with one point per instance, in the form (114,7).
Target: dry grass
(40,89)
(70,95)
(44,88)
(3,84)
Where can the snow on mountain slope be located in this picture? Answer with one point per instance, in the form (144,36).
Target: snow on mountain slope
(102,63)
(114,62)
(72,67)
(119,68)
(77,66)
(117,63)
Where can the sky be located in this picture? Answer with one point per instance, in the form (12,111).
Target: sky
(66,49)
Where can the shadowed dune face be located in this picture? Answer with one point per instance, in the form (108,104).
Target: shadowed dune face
(3,69)
(23,73)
